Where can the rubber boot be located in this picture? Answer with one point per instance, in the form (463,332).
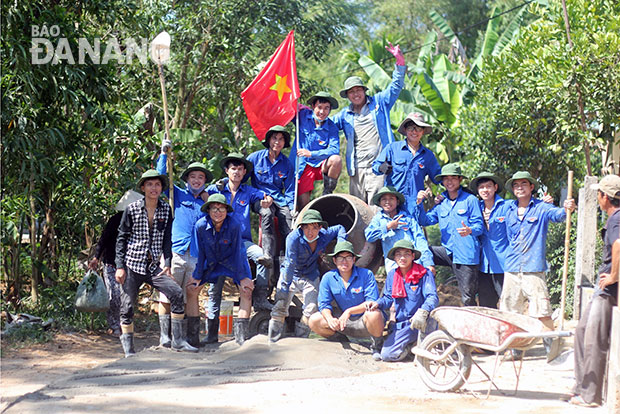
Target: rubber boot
(193,331)
(259,299)
(276,328)
(178,342)
(127,342)
(164,330)
(376,343)
(213,327)
(302,330)
(241,329)
(329,184)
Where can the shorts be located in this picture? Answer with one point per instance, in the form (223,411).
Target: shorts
(526,288)
(308,177)
(182,267)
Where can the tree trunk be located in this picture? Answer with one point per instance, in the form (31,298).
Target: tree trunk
(180,105)
(34,277)
(194,87)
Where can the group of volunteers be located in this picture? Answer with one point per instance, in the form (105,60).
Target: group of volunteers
(495,247)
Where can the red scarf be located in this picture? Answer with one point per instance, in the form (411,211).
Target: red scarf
(413,276)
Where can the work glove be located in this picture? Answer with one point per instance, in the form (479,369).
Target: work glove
(166,144)
(221,184)
(418,321)
(398,54)
(281,294)
(385,168)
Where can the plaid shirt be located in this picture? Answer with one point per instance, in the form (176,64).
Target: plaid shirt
(139,246)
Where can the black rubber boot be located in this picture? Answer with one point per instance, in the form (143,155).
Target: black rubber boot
(376,343)
(276,328)
(127,342)
(302,330)
(241,329)
(164,331)
(259,299)
(178,342)
(193,331)
(213,326)
(329,184)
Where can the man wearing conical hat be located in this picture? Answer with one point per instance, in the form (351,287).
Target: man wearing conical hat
(105,251)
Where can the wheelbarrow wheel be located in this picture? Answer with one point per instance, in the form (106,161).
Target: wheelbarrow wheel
(450,373)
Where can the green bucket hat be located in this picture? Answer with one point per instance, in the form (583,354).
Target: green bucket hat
(344,246)
(197,166)
(417,119)
(216,198)
(313,216)
(521,175)
(473,185)
(238,157)
(273,130)
(404,244)
(351,82)
(324,95)
(149,174)
(388,190)
(450,169)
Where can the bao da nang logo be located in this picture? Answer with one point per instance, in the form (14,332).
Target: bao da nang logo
(48,46)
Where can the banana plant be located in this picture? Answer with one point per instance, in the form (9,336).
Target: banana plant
(436,85)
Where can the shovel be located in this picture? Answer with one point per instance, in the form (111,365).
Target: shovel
(555,347)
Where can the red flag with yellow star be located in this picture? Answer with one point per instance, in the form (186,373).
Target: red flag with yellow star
(271,98)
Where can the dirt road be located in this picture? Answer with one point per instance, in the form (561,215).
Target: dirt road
(80,373)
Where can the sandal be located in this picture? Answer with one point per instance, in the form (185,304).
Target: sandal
(578,400)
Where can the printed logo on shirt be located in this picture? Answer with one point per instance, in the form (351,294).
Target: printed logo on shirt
(321,142)
(280,174)
(414,288)
(532,219)
(243,202)
(501,219)
(225,241)
(420,166)
(461,211)
(356,290)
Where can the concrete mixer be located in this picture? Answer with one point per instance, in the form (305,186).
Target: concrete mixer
(354,215)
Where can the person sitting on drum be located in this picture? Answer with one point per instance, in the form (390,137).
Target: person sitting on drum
(411,288)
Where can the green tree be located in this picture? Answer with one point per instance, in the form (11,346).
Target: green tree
(526,115)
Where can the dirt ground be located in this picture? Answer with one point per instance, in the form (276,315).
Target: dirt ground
(86,373)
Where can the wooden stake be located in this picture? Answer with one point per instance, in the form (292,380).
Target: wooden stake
(569,195)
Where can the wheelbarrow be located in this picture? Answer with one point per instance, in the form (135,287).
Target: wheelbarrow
(443,358)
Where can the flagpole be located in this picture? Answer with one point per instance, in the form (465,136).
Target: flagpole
(296,159)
